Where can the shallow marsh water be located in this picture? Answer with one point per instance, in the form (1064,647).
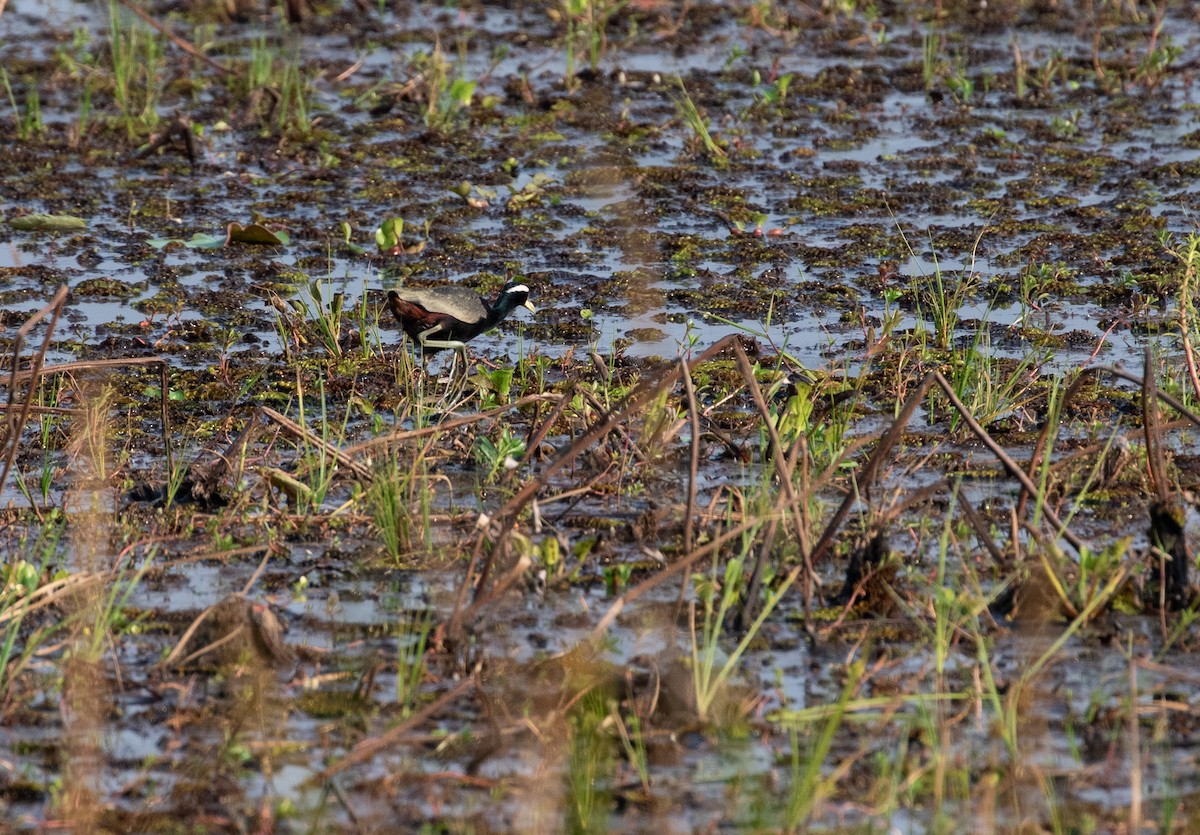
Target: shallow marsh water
(993,189)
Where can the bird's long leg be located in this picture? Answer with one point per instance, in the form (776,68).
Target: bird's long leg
(425,341)
(411,375)
(424,338)
(458,380)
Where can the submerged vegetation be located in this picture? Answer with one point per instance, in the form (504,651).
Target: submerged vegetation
(842,481)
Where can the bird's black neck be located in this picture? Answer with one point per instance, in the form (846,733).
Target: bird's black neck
(500,308)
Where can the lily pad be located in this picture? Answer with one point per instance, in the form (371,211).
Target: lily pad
(255,233)
(200,240)
(47,223)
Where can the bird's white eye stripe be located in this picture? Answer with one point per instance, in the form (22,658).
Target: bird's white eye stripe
(517,288)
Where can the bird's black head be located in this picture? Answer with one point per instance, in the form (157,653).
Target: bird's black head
(513,295)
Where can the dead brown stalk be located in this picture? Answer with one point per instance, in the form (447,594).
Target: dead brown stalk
(870,469)
(689,512)
(12,431)
(17,413)
(186,46)
(507,516)
(299,432)
(370,747)
(783,469)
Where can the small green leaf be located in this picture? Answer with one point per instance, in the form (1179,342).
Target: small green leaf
(24,574)
(388,235)
(461,91)
(348,233)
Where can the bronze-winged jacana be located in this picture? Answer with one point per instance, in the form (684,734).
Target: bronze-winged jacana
(448,316)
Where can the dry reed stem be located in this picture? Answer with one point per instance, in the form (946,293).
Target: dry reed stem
(347,806)
(783,469)
(1185,334)
(854,447)
(1135,739)
(40,370)
(689,513)
(59,411)
(982,534)
(87,365)
(1161,395)
(370,747)
(85,687)
(874,460)
(1072,391)
(406,435)
(537,435)
(893,435)
(1154,454)
(749,604)
(204,650)
(912,499)
(1191,677)
(305,434)
(627,440)
(272,548)
(51,594)
(186,46)
(12,435)
(634,401)
(575,493)
(674,568)
(54,592)
(1014,469)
